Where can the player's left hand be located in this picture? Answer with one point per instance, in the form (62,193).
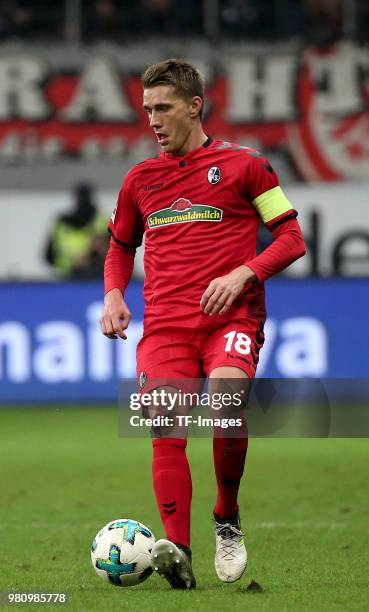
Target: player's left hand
(222,291)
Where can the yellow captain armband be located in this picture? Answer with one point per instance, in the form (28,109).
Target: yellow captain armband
(271,204)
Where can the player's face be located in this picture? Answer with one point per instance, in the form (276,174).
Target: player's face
(171,117)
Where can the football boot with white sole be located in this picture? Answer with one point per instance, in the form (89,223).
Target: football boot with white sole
(231,553)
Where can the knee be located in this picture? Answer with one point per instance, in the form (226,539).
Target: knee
(229,396)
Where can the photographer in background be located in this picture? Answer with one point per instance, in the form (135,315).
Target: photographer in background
(78,241)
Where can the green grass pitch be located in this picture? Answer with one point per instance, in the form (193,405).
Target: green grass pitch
(65,473)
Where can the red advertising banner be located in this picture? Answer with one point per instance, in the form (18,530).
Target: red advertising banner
(312,106)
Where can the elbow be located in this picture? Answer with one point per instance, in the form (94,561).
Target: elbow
(302,249)
(298,250)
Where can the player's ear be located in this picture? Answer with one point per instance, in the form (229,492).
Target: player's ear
(196,106)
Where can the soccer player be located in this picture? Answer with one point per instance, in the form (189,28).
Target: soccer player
(199,203)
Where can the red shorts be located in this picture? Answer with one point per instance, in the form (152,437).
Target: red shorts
(195,353)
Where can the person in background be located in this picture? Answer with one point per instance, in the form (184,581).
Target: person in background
(323,21)
(78,241)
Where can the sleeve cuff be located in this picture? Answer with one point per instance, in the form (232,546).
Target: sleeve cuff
(254,267)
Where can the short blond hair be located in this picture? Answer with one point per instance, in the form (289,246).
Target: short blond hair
(185,78)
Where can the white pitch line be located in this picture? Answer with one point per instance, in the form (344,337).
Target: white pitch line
(298,525)
(248,525)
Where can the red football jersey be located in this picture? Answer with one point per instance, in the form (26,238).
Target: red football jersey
(200,213)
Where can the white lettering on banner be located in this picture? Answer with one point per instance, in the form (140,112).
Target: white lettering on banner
(299,346)
(337,85)
(21,92)
(271,334)
(63,353)
(266,97)
(100,352)
(99,96)
(316,100)
(15,348)
(126,351)
(261,88)
(303,351)
(60,357)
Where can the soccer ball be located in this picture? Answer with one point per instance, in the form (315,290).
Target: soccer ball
(120,553)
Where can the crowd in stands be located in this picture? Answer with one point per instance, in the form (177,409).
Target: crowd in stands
(315,21)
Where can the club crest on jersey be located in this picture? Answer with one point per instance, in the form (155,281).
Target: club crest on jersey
(183,211)
(214,175)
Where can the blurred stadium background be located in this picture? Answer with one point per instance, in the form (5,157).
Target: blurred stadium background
(288,77)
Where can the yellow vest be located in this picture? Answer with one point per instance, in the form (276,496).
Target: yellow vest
(71,243)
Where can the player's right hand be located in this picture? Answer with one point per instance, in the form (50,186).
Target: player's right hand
(116,315)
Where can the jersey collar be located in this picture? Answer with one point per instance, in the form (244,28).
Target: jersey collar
(190,154)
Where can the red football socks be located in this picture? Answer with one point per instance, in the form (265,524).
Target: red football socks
(229,461)
(173,487)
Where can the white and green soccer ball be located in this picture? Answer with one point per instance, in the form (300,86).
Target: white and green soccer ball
(121,552)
